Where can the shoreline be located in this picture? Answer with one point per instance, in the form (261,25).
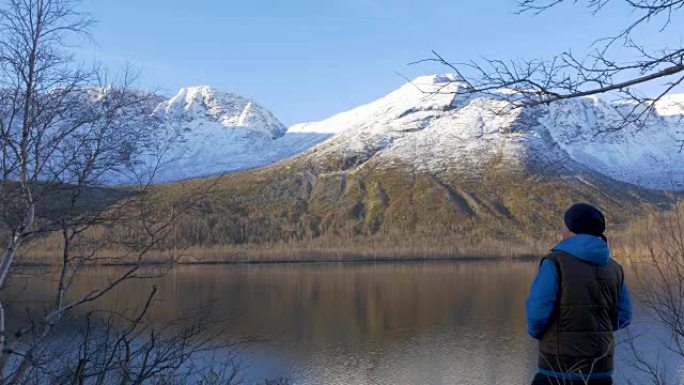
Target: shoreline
(308,261)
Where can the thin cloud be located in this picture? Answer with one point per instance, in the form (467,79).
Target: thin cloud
(373,7)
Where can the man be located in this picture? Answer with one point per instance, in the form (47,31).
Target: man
(576,301)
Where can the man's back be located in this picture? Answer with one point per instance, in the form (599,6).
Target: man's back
(579,337)
(576,301)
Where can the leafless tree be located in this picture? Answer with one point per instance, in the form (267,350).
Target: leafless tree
(567,75)
(65,130)
(659,282)
(114,347)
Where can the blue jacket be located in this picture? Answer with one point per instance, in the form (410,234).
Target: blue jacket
(541,302)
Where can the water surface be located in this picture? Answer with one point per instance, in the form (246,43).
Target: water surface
(389,323)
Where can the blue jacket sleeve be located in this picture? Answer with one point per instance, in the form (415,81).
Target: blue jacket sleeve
(542,299)
(624,308)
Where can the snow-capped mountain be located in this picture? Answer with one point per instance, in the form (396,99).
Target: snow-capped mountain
(431,161)
(427,126)
(208,132)
(196,107)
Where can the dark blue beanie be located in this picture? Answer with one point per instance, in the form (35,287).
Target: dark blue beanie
(582,218)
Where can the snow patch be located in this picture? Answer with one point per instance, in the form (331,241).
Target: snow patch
(427,125)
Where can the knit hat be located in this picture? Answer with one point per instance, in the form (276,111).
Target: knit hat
(582,218)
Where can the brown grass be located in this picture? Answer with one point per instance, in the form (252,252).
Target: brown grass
(329,249)
(628,243)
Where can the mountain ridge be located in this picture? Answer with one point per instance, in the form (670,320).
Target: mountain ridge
(431,125)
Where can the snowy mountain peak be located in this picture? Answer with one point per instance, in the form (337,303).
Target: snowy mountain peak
(418,98)
(225,108)
(670,105)
(445,84)
(428,125)
(207,131)
(440,79)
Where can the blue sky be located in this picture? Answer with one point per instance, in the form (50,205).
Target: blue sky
(308,59)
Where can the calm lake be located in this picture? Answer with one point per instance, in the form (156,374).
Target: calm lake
(387,323)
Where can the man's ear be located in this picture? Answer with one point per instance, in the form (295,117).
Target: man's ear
(565,232)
